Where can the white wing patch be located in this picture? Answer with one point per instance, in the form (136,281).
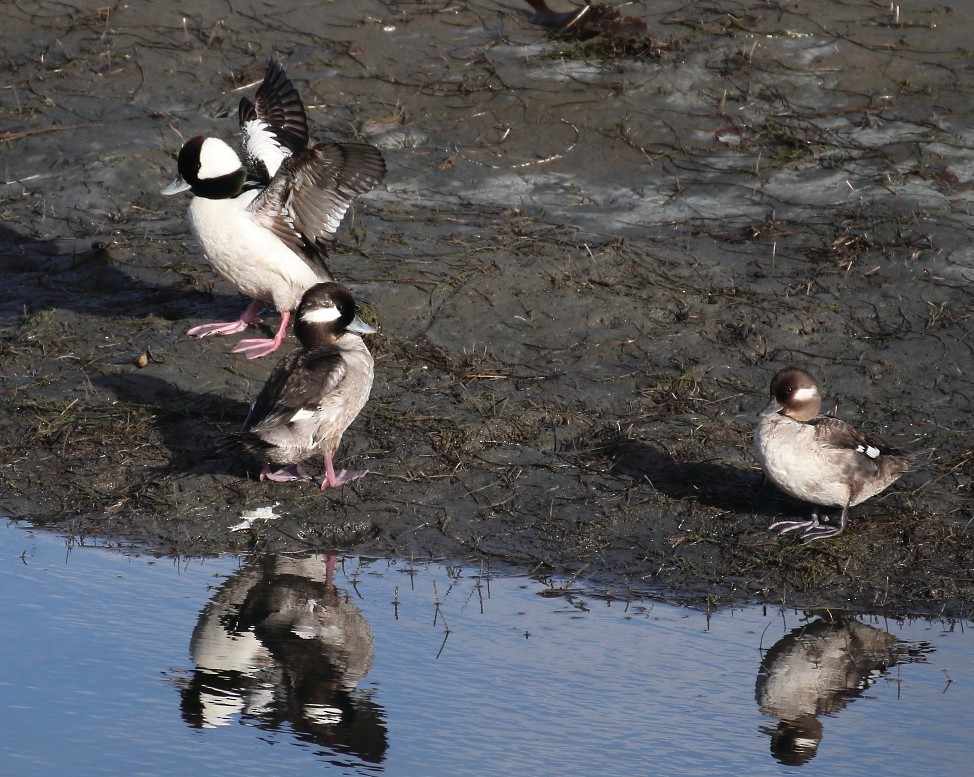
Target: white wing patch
(302,415)
(332,224)
(870,450)
(262,145)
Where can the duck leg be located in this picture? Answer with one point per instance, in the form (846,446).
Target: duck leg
(822,531)
(814,528)
(248,317)
(257,347)
(331,480)
(783,527)
(284,474)
(330,568)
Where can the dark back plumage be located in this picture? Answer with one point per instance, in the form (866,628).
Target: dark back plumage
(297,383)
(874,458)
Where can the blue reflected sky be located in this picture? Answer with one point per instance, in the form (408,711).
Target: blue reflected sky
(449,672)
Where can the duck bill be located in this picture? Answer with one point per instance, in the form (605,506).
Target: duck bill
(774,407)
(359,327)
(175,186)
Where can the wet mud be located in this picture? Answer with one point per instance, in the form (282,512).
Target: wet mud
(586,262)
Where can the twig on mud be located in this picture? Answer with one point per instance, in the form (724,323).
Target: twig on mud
(520,165)
(562,590)
(6,137)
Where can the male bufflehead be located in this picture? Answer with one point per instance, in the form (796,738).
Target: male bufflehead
(267,226)
(314,392)
(819,458)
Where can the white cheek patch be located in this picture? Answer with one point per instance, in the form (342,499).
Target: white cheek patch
(217,159)
(870,450)
(321,315)
(805,395)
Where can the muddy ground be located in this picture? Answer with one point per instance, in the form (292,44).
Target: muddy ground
(587,260)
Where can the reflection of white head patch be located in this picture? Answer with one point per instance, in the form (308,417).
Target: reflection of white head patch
(321,315)
(216,159)
(805,395)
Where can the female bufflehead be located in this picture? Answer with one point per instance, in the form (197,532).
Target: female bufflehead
(267,227)
(819,458)
(314,392)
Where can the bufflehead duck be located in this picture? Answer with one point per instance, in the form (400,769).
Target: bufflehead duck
(279,643)
(267,226)
(819,458)
(314,392)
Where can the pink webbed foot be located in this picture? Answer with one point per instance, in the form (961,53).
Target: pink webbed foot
(284,474)
(228,328)
(248,317)
(255,348)
(331,480)
(341,478)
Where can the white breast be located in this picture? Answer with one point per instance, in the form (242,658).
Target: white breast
(248,256)
(796,462)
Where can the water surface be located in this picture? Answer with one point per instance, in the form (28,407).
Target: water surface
(118,663)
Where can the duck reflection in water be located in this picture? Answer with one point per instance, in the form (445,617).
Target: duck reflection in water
(817,670)
(280,645)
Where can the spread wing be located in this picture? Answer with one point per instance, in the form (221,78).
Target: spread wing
(838,434)
(306,201)
(274,125)
(296,387)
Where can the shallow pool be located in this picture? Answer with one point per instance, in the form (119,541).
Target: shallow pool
(119,664)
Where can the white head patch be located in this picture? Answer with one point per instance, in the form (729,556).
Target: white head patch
(216,159)
(806,394)
(321,315)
